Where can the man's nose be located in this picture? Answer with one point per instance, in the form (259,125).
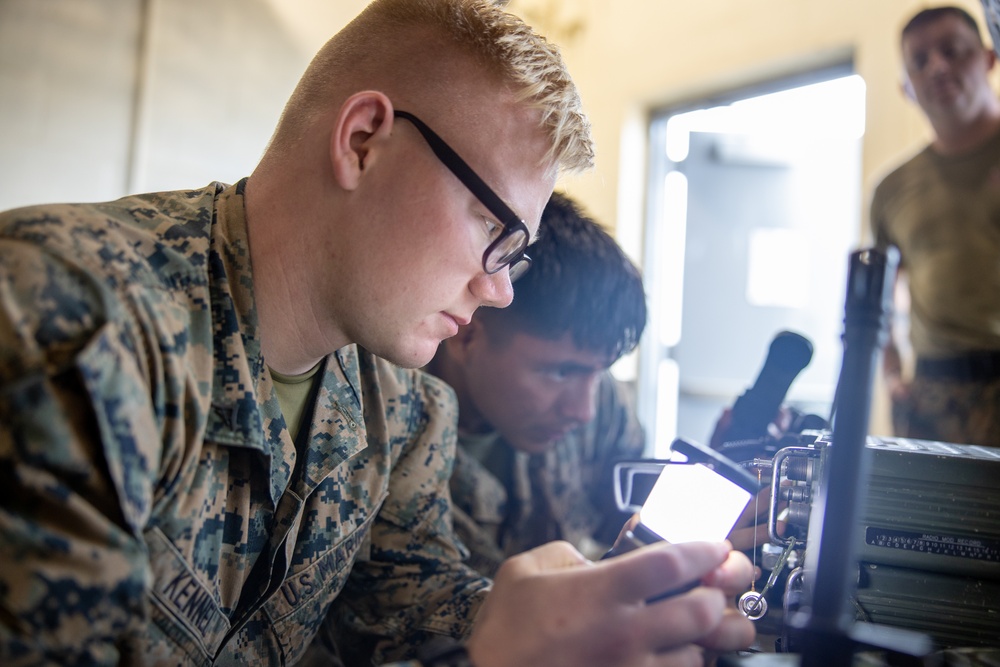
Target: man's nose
(578,401)
(493,289)
(937,62)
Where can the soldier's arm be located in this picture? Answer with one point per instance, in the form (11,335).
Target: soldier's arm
(413,585)
(72,569)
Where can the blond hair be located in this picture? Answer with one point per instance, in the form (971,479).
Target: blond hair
(378,47)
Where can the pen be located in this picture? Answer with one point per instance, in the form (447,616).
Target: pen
(632,542)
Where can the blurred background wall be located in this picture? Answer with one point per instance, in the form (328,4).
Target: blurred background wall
(99,98)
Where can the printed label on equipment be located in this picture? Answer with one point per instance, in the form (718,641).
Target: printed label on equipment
(931,543)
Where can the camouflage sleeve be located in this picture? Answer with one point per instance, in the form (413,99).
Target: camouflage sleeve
(72,571)
(618,436)
(413,585)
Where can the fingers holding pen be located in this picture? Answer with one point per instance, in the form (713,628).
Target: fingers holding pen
(705,615)
(684,656)
(734,630)
(733,576)
(565,610)
(658,568)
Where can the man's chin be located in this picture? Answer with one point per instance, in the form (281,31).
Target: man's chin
(416,356)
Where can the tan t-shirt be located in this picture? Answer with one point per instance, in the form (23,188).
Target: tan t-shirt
(293,392)
(943,213)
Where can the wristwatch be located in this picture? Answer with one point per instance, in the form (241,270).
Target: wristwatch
(444,654)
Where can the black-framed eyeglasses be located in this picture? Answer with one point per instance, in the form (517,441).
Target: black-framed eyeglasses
(507,249)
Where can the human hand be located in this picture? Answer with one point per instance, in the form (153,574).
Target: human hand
(899,389)
(550,606)
(892,371)
(751,528)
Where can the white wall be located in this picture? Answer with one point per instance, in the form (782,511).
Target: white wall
(67,73)
(99,98)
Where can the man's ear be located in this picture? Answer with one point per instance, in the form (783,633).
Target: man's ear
(364,119)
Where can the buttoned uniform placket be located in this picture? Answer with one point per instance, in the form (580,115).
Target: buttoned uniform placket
(310,462)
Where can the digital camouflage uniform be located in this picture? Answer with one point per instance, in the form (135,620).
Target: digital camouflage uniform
(565,493)
(153,508)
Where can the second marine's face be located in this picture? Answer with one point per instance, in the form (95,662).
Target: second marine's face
(946,67)
(531,390)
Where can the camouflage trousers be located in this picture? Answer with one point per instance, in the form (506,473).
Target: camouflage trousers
(948,410)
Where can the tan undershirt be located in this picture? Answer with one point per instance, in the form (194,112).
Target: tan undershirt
(293,392)
(943,212)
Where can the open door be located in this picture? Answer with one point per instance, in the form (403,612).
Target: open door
(755,204)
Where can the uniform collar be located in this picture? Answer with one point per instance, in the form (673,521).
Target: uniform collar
(245,409)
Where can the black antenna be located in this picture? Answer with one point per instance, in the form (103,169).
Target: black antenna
(829,634)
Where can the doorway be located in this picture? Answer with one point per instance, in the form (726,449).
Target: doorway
(754,208)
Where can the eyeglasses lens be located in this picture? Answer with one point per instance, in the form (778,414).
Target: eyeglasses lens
(519,268)
(505,250)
